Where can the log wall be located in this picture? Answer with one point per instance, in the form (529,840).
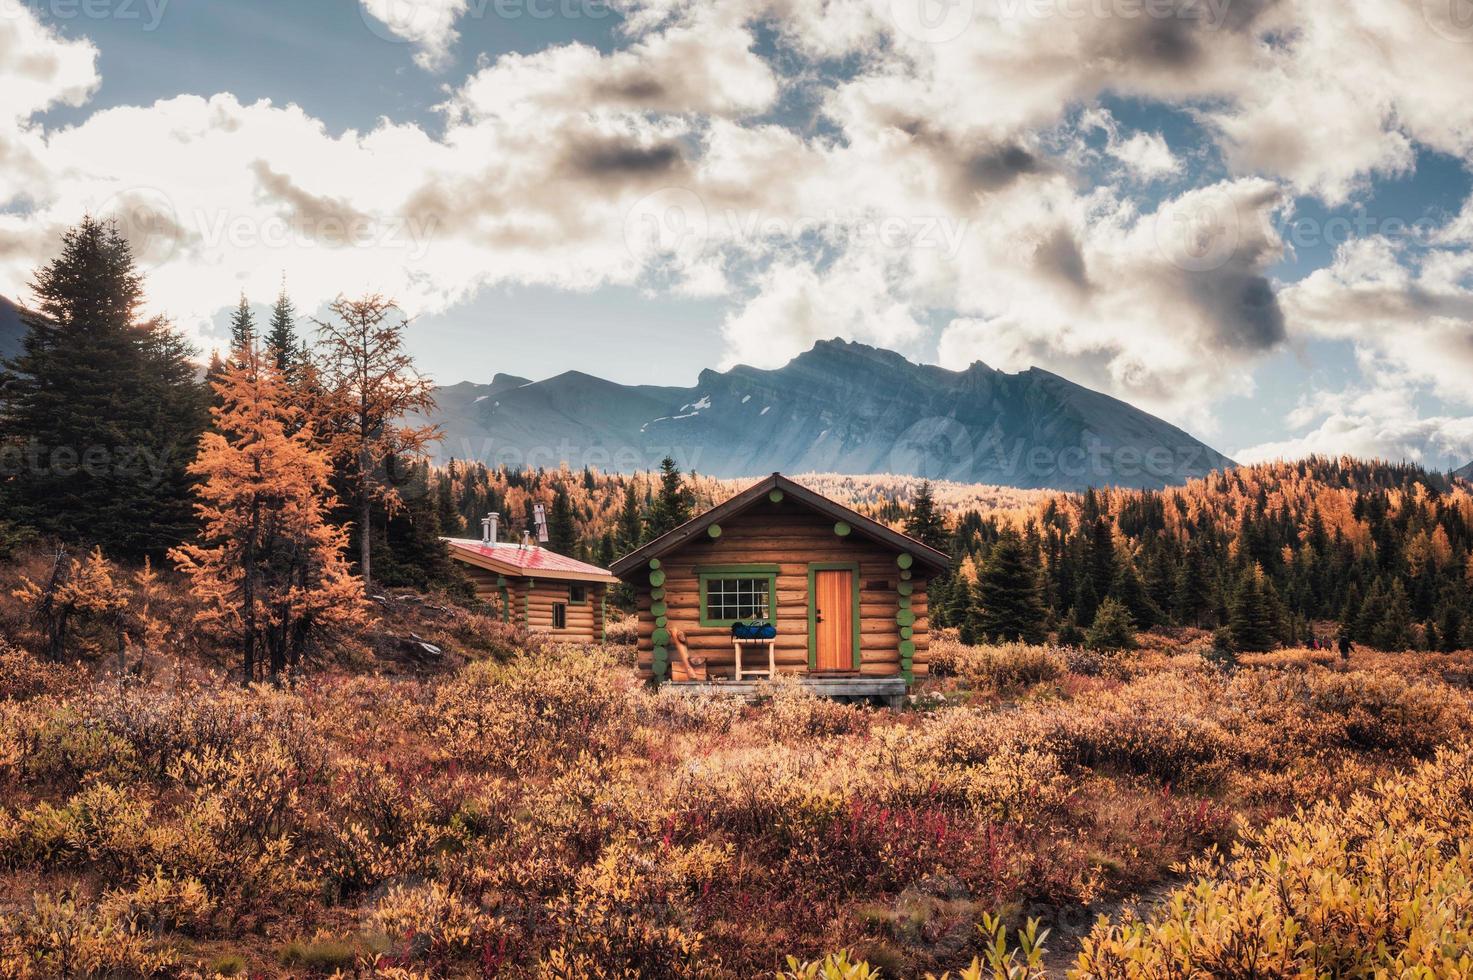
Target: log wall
(791,538)
(532,601)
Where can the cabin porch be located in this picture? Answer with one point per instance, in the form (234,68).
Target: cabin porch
(886,691)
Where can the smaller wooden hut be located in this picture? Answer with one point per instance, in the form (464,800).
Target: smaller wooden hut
(847,594)
(537,588)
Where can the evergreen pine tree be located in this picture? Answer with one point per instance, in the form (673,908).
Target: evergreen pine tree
(451,521)
(1372,614)
(1250,619)
(1010,595)
(1132,594)
(970,624)
(1394,631)
(1350,610)
(1101,558)
(673,504)
(1450,628)
(938,595)
(1113,628)
(562,530)
(631,520)
(925,522)
(281,337)
(242,326)
(104,409)
(606,553)
(1070,635)
(408,540)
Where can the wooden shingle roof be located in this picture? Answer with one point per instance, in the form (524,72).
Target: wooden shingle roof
(637,561)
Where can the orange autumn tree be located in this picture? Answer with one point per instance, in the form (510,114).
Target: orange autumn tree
(267,565)
(373,388)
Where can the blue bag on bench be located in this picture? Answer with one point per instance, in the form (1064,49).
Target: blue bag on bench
(757,629)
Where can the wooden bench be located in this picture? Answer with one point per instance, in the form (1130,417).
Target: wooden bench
(771,645)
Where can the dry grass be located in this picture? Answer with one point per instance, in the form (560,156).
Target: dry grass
(550,816)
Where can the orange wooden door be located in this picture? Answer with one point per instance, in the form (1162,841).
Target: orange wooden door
(833,599)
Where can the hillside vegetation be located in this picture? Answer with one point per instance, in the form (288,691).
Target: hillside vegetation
(546,815)
(1267,551)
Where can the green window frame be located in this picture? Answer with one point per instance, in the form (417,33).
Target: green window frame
(559,615)
(577,595)
(766,574)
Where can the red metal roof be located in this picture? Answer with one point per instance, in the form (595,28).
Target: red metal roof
(531,562)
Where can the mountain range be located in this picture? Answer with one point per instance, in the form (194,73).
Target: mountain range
(839,408)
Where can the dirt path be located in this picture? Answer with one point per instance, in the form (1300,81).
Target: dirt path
(1067,932)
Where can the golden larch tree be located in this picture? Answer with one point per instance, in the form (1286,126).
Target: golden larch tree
(267,566)
(373,390)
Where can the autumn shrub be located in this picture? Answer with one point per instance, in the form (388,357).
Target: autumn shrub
(431,927)
(550,816)
(1008,667)
(622,631)
(682,711)
(1378,886)
(619,919)
(795,712)
(158,903)
(23,676)
(1160,728)
(509,715)
(943,653)
(59,935)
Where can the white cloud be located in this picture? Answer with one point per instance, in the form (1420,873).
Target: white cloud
(1406,311)
(1147,155)
(1343,90)
(1168,310)
(671,163)
(798,306)
(1144,155)
(427,24)
(1378,422)
(38,69)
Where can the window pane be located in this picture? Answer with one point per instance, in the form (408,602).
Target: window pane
(737,598)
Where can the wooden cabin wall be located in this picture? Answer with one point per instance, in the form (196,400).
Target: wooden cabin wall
(791,538)
(585,622)
(534,602)
(485,583)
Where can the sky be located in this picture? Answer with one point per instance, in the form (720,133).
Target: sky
(1253,218)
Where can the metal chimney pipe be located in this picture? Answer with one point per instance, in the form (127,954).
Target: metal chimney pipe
(490,527)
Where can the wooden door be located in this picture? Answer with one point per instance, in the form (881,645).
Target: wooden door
(833,602)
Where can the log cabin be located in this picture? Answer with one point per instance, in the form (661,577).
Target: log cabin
(846,594)
(539,589)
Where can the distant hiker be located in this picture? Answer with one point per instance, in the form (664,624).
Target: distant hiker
(1344,647)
